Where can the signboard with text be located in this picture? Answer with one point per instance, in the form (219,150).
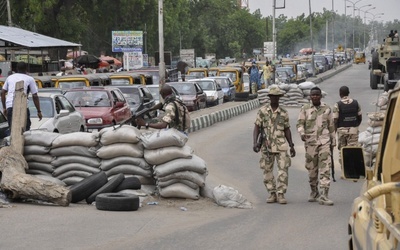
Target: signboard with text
(133,60)
(127,41)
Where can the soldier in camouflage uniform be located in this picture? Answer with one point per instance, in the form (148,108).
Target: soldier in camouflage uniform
(316,128)
(274,122)
(347,117)
(176,113)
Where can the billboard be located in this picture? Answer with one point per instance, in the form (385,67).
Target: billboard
(126,41)
(133,60)
(187,55)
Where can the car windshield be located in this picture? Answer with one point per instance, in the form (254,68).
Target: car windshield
(155,92)
(98,98)
(120,81)
(70,85)
(199,74)
(185,88)
(206,85)
(229,74)
(46,106)
(131,94)
(222,82)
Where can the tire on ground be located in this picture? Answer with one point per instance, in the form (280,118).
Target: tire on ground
(129,183)
(117,202)
(106,188)
(242,96)
(87,186)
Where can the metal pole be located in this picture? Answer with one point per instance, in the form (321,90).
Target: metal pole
(326,34)
(9,13)
(345,30)
(161,65)
(145,38)
(333,34)
(273,30)
(311,38)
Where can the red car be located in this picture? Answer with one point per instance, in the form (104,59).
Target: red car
(191,93)
(101,107)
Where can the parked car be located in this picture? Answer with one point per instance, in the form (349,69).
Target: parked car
(227,87)
(59,115)
(139,99)
(192,94)
(213,90)
(290,72)
(102,107)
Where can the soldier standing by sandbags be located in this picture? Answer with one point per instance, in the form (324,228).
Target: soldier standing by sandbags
(316,128)
(274,122)
(347,117)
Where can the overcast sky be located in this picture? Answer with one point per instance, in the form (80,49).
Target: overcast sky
(294,8)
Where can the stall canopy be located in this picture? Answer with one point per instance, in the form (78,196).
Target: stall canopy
(16,38)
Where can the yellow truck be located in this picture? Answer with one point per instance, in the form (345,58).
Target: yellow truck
(375,217)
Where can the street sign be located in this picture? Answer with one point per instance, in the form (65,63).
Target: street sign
(269,49)
(188,55)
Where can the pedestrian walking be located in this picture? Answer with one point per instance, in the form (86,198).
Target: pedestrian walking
(267,73)
(347,117)
(8,92)
(317,130)
(273,121)
(254,75)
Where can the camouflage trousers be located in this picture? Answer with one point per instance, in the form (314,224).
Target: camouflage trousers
(318,161)
(267,165)
(346,140)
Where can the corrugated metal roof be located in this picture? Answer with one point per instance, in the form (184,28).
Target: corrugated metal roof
(29,39)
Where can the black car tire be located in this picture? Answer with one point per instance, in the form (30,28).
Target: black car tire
(373,80)
(87,186)
(117,202)
(242,96)
(375,60)
(106,188)
(129,183)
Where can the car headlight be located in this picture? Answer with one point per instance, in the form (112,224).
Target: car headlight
(95,121)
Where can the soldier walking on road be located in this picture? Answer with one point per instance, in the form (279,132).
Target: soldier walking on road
(274,122)
(347,117)
(316,128)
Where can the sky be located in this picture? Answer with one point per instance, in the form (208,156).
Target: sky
(294,8)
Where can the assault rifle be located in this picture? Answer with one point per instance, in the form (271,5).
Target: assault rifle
(333,166)
(260,139)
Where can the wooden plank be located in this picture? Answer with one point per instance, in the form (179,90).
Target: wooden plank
(19,118)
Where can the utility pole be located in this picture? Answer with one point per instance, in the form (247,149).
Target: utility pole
(312,42)
(273,31)
(333,34)
(161,64)
(9,13)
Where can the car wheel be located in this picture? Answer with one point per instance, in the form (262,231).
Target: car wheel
(373,80)
(117,202)
(106,188)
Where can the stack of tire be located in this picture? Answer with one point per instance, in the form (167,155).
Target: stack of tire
(179,173)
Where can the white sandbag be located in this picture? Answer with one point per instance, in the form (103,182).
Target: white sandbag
(120,149)
(163,155)
(306,92)
(107,164)
(195,164)
(76,139)
(283,86)
(74,150)
(198,179)
(51,179)
(163,184)
(372,139)
(372,149)
(293,86)
(88,161)
(362,137)
(375,123)
(306,85)
(129,169)
(263,91)
(119,134)
(74,166)
(45,158)
(376,116)
(47,167)
(40,137)
(36,149)
(383,99)
(179,190)
(374,130)
(163,138)
(71,173)
(229,197)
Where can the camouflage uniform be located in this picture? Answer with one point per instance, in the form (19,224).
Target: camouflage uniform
(169,116)
(275,147)
(347,136)
(316,124)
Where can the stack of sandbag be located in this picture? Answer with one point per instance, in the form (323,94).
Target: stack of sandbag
(383,100)
(369,139)
(262,96)
(74,156)
(178,172)
(121,152)
(36,152)
(294,95)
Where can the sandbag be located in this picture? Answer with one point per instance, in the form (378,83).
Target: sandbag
(36,149)
(40,137)
(375,123)
(376,116)
(362,137)
(229,197)
(120,149)
(37,172)
(372,149)
(45,158)
(46,167)
(119,134)
(71,173)
(198,179)
(195,164)
(163,155)
(163,138)
(306,85)
(179,190)
(128,169)
(107,164)
(88,161)
(374,130)
(383,99)
(51,179)
(76,139)
(74,166)
(72,180)
(372,139)
(74,150)
(164,184)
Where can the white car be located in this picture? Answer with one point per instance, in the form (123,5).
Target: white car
(59,115)
(214,92)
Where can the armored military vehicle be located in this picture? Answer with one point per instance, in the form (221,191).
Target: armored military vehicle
(375,216)
(386,64)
